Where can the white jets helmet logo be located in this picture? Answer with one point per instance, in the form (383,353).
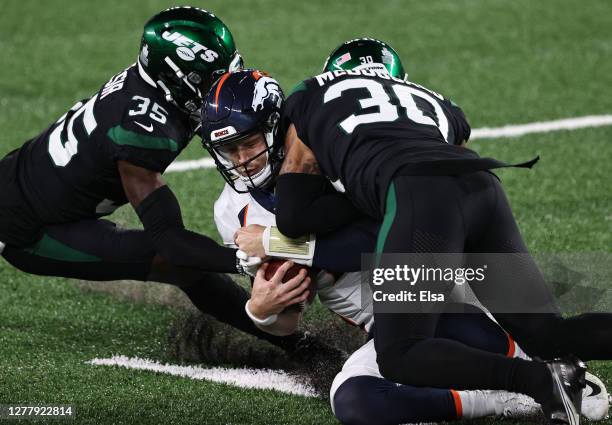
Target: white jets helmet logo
(187,48)
(264,88)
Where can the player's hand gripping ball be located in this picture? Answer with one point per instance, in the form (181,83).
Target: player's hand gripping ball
(273,266)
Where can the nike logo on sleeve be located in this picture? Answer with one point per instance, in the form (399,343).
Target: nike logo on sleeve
(148,128)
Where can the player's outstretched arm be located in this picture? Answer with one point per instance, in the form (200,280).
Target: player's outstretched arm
(160,214)
(339,251)
(304,202)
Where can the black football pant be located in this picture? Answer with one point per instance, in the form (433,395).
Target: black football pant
(470,214)
(98,250)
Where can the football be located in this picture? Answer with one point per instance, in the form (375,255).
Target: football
(273,266)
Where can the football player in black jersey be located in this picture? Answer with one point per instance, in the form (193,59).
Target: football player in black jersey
(240,117)
(391,148)
(112,149)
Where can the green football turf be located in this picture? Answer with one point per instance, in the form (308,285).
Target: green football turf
(503,62)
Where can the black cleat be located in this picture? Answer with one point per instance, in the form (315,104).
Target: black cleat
(563,407)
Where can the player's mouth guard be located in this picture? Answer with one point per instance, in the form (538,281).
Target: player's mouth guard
(300,250)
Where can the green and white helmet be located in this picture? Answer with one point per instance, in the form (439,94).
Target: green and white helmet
(183,51)
(365,53)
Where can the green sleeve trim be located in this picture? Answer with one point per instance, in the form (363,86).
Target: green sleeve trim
(121,136)
(50,248)
(300,87)
(390,212)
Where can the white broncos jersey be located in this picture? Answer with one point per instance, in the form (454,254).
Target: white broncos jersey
(343,296)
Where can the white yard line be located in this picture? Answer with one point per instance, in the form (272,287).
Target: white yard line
(243,378)
(541,127)
(514,130)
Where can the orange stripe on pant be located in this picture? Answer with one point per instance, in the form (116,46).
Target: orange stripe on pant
(458,405)
(511,347)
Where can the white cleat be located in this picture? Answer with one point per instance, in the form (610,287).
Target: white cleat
(514,405)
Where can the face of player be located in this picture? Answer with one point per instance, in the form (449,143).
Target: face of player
(248,155)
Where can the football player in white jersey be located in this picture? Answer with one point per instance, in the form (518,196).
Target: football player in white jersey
(240,121)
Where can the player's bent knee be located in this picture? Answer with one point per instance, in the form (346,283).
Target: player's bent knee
(24,261)
(353,402)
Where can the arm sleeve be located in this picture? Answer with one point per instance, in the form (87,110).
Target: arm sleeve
(306,205)
(340,251)
(160,214)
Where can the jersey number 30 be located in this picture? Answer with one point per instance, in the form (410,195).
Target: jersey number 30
(387,111)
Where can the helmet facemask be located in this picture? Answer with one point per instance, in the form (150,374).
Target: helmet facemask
(225,155)
(186,91)
(244,107)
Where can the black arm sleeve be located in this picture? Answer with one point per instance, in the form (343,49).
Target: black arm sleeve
(160,214)
(340,251)
(305,205)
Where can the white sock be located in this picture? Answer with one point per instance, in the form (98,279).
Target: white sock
(476,404)
(481,403)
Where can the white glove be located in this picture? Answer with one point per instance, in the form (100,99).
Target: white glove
(247,265)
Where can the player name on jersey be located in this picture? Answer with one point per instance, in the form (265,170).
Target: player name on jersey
(364,126)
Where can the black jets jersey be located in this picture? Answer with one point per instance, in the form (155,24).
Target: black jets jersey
(69,172)
(364,127)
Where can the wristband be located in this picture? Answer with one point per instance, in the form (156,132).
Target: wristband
(270,320)
(278,245)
